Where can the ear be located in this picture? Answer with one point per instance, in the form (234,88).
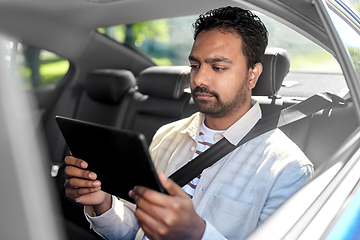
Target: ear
(254,74)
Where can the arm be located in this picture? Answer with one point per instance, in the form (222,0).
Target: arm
(287,183)
(116,223)
(108,216)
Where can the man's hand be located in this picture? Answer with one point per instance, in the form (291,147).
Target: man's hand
(167,216)
(82,186)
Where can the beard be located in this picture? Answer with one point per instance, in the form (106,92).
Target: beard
(217,108)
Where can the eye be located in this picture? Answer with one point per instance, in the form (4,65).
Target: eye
(194,66)
(219,69)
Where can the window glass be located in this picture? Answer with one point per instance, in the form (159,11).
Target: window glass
(38,67)
(356,4)
(169,41)
(305,55)
(166,41)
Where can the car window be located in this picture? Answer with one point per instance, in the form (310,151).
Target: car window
(168,42)
(38,67)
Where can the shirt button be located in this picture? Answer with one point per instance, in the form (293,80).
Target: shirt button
(192,148)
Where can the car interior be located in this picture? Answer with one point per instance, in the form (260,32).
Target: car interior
(128,90)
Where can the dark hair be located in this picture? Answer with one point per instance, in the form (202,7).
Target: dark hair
(237,20)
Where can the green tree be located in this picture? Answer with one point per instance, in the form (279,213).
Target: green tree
(149,37)
(355,56)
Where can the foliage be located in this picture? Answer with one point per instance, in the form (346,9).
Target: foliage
(151,37)
(357,6)
(355,56)
(51,71)
(157,30)
(162,61)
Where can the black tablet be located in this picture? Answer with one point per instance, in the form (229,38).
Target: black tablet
(120,158)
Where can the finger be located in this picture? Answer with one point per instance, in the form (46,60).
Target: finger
(147,223)
(73,161)
(170,186)
(158,221)
(71,171)
(139,191)
(156,204)
(81,183)
(75,194)
(149,195)
(155,197)
(156,214)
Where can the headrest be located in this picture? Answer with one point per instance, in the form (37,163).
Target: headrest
(276,66)
(109,85)
(164,81)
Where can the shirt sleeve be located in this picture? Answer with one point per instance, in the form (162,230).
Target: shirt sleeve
(288,183)
(118,222)
(211,233)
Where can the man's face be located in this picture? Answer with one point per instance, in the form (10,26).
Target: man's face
(219,75)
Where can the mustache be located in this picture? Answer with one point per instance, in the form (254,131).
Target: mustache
(199,89)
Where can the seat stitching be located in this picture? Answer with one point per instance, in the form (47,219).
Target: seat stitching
(272,70)
(176,93)
(273,83)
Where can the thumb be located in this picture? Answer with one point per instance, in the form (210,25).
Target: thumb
(170,186)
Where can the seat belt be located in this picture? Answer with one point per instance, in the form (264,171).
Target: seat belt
(124,108)
(223,147)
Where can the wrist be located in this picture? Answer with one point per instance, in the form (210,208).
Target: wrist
(199,229)
(104,206)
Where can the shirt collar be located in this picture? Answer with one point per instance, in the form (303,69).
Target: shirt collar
(236,131)
(242,126)
(194,126)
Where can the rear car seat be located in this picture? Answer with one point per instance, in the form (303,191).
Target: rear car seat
(160,99)
(99,103)
(104,92)
(276,65)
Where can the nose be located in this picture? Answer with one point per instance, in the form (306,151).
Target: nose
(200,76)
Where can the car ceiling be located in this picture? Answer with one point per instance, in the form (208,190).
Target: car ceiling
(68,26)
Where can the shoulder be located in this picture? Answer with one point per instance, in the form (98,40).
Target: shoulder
(177,127)
(284,154)
(180,125)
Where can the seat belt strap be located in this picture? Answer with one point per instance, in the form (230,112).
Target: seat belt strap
(120,120)
(223,147)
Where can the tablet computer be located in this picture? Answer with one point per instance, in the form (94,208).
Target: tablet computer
(120,158)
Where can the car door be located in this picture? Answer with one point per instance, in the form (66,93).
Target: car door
(320,210)
(28,207)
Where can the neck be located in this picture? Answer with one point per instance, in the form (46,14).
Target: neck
(223,123)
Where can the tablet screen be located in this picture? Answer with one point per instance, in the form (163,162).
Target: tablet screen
(120,158)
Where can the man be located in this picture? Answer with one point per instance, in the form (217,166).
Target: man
(230,199)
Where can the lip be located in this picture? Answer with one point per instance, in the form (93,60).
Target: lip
(203,95)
